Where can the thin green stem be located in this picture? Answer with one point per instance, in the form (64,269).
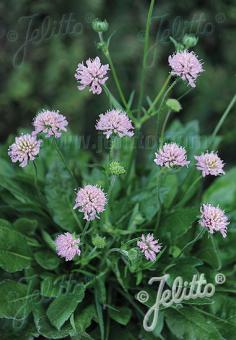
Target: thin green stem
(113,70)
(77,219)
(198,236)
(186,195)
(84,231)
(36,181)
(159,200)
(64,161)
(222,119)
(145,51)
(164,128)
(160,93)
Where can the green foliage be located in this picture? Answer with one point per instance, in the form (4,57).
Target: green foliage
(94,296)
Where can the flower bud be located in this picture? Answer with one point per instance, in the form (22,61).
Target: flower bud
(100,26)
(116,169)
(189,40)
(99,242)
(174,104)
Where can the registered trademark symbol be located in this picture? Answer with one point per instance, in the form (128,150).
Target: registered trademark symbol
(220,278)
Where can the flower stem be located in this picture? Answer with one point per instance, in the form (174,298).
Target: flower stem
(64,161)
(202,231)
(160,93)
(113,70)
(84,231)
(164,128)
(145,51)
(186,194)
(222,119)
(159,200)
(36,179)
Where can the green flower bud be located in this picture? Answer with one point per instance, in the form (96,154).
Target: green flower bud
(100,26)
(174,105)
(99,242)
(189,40)
(178,46)
(116,169)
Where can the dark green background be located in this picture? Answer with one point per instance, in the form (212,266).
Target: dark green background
(38,71)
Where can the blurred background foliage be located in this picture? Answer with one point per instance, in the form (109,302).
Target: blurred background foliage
(43,41)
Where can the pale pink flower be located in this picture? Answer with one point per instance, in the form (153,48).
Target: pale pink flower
(115,121)
(171,155)
(51,123)
(90,200)
(214,219)
(149,246)
(93,74)
(67,246)
(25,149)
(186,65)
(210,164)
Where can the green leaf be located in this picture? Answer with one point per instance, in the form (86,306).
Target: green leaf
(173,104)
(83,319)
(136,218)
(178,222)
(5,223)
(60,310)
(25,225)
(60,197)
(47,260)
(122,315)
(50,287)
(101,290)
(223,191)
(15,253)
(208,251)
(44,327)
(99,315)
(49,241)
(14,300)
(187,323)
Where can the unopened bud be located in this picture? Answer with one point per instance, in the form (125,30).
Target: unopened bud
(99,25)
(116,169)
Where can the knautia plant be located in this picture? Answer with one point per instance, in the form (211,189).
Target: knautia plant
(83,236)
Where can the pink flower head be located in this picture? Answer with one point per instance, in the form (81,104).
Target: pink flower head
(214,219)
(171,155)
(51,123)
(67,246)
(115,121)
(92,75)
(25,149)
(90,200)
(210,164)
(185,65)
(149,246)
